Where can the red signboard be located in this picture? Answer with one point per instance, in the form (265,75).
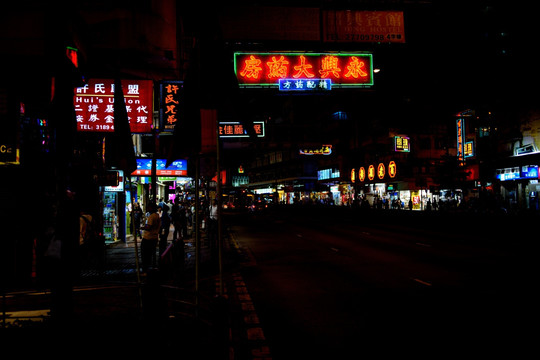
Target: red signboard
(266,69)
(94,105)
(363,26)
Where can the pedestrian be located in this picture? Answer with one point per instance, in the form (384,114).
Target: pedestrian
(164,228)
(213,223)
(137,215)
(85,230)
(150,238)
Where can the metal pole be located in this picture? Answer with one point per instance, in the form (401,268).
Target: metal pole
(197,234)
(219,201)
(137,268)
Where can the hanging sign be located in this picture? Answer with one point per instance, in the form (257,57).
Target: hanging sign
(333,70)
(94,105)
(169,104)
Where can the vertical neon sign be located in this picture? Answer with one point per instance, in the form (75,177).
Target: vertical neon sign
(460,129)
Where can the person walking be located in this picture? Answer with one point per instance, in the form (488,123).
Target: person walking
(213,226)
(164,228)
(137,215)
(150,238)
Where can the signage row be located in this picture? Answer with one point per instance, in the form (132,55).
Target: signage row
(374,172)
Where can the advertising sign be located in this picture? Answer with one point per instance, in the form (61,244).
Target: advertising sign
(460,139)
(380,172)
(402,144)
(9,125)
(235,129)
(339,70)
(94,105)
(144,168)
(363,26)
(169,102)
(323,150)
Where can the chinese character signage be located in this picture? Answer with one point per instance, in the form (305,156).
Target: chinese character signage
(379,172)
(305,84)
(363,26)
(234,129)
(336,70)
(144,168)
(469,149)
(169,101)
(323,150)
(94,105)
(402,144)
(460,129)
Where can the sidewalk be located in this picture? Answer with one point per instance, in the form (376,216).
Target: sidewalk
(113,312)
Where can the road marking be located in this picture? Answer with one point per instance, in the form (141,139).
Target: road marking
(422,282)
(334,249)
(422,244)
(254,331)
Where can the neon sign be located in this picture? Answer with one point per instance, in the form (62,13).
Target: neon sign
(235,129)
(340,70)
(304,84)
(323,150)
(402,144)
(460,139)
(379,172)
(169,97)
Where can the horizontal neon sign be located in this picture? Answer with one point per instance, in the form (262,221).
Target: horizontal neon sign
(305,84)
(377,172)
(234,129)
(269,69)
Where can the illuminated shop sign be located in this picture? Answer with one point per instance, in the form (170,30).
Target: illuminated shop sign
(469,149)
(323,150)
(326,174)
(363,26)
(518,173)
(338,70)
(234,129)
(460,141)
(169,104)
(305,84)
(176,168)
(94,105)
(402,144)
(380,172)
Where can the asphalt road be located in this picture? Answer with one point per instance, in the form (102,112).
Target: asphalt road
(341,284)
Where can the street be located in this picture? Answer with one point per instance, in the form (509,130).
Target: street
(332,284)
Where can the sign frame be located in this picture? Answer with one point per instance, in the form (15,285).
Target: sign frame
(265,69)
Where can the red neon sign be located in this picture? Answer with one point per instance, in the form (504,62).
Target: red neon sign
(265,69)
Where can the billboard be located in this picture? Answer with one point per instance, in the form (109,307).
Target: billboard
(269,69)
(144,167)
(94,105)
